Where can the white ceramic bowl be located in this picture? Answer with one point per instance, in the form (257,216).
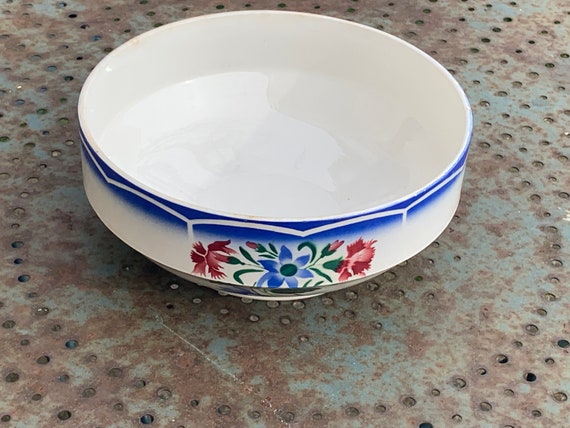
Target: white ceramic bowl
(273,154)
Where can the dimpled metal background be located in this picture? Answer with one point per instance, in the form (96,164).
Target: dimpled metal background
(472,332)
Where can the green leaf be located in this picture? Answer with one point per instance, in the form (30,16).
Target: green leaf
(272,248)
(333,264)
(244,253)
(311,247)
(261,249)
(268,256)
(239,273)
(234,261)
(320,273)
(318,283)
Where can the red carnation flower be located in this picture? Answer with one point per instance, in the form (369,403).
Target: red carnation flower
(359,255)
(209,259)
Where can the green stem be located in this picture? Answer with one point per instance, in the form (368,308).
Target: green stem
(314,262)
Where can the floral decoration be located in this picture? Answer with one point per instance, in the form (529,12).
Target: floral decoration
(208,260)
(305,265)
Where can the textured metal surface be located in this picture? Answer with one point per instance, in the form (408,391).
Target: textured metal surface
(472,332)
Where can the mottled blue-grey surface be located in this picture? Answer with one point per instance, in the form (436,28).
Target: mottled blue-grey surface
(471,332)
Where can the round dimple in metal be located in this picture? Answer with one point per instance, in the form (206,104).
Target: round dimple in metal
(224,409)
(12,377)
(9,324)
(459,383)
(42,311)
(44,359)
(481,371)
(164,393)
(377,325)
(502,359)
(286,416)
(372,286)
(88,392)
(317,416)
(530,377)
(71,344)
(351,295)
(64,415)
(380,408)
(115,372)
(352,411)
(147,419)
(254,414)
(350,314)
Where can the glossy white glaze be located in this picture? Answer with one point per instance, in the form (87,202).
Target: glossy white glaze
(273,154)
(222,142)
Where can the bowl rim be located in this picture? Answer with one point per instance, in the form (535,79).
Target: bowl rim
(88,138)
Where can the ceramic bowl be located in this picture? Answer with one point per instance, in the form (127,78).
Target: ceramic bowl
(275,155)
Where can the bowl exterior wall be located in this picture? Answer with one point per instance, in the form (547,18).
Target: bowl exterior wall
(249,256)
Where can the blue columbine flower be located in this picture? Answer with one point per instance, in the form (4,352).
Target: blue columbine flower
(285,270)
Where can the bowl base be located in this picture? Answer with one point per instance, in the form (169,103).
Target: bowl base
(264,293)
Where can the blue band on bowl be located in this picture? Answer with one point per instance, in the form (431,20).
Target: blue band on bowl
(181,215)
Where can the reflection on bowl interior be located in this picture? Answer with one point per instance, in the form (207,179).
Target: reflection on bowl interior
(318,135)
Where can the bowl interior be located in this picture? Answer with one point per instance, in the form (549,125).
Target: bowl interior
(275,115)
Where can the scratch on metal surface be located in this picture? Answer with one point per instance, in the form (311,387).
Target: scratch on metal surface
(248,389)
(197,349)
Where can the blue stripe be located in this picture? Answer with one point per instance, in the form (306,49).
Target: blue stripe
(132,198)
(258,235)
